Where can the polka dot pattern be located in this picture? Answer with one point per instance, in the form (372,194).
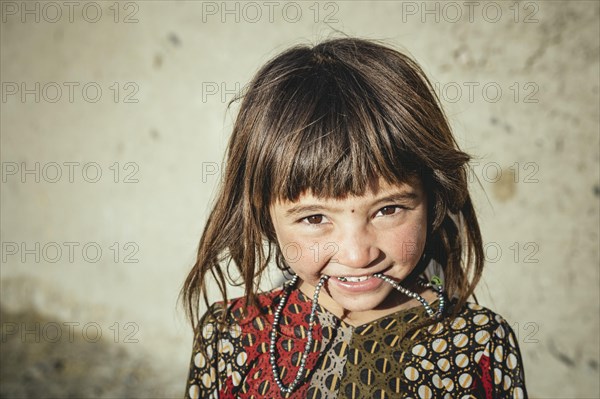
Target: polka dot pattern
(402,355)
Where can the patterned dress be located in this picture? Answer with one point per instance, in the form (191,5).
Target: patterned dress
(402,355)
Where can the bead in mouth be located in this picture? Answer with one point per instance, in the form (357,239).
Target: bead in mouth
(357,279)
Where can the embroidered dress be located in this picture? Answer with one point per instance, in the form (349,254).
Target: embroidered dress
(402,355)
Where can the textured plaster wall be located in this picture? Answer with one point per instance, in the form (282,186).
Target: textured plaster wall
(520,83)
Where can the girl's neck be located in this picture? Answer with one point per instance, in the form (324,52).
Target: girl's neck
(394,303)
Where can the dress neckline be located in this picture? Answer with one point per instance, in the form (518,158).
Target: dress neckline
(418,311)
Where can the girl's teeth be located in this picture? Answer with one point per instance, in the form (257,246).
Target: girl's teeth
(353,279)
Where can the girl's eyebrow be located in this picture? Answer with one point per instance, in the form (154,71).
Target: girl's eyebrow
(296,210)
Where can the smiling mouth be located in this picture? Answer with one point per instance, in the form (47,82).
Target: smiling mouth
(353,279)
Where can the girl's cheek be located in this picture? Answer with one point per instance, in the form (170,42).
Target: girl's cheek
(305,258)
(298,252)
(408,244)
(310,258)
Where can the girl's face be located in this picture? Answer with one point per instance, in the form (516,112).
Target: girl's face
(350,240)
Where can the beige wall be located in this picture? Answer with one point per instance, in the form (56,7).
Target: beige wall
(158,130)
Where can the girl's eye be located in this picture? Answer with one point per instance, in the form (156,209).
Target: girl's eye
(313,219)
(390,209)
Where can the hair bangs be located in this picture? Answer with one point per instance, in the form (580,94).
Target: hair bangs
(339,144)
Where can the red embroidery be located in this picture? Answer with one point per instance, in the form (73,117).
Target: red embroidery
(486,376)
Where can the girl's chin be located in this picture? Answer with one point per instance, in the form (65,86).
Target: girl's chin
(344,302)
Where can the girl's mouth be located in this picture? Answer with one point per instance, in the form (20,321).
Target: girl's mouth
(356,284)
(357,279)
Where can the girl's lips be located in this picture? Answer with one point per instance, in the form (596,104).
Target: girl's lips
(356,284)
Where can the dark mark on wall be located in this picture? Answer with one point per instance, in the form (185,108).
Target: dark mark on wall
(158,60)
(495,122)
(560,144)
(505,188)
(174,39)
(563,358)
(70,367)
(59,365)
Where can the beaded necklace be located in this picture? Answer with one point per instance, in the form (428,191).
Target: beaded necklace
(435,284)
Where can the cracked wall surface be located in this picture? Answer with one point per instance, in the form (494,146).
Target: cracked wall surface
(113,126)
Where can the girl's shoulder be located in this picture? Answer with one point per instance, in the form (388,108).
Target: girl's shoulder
(237,311)
(477,315)
(478,323)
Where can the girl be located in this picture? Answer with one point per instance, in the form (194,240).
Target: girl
(343,169)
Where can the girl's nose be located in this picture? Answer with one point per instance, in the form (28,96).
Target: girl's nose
(356,248)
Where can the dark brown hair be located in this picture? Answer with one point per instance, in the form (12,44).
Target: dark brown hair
(333,118)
